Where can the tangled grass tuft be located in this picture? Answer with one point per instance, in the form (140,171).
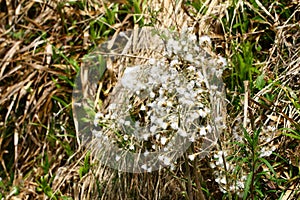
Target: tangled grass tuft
(43,46)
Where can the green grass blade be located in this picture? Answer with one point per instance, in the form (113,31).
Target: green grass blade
(248,185)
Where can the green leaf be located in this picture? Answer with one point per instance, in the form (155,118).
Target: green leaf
(101,66)
(65,104)
(292,136)
(86,166)
(294,133)
(260,193)
(248,138)
(260,82)
(268,165)
(66,198)
(248,185)
(236,25)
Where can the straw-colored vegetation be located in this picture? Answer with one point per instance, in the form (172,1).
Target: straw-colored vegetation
(42,46)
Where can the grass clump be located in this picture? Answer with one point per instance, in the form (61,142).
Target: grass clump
(42,49)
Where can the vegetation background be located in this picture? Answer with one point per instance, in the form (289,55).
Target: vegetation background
(42,44)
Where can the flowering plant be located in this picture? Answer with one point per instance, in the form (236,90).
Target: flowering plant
(159,107)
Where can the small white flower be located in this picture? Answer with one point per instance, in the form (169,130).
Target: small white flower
(218,155)
(219,73)
(214,87)
(149,169)
(114,116)
(191,68)
(165,86)
(164,126)
(185,49)
(161,157)
(152,95)
(174,125)
(96,133)
(172,167)
(221,153)
(159,122)
(143,107)
(182,133)
(222,61)
(97,117)
(122,34)
(207,110)
(244,178)
(232,188)
(169,104)
(240,184)
(137,124)
(204,39)
(121,121)
(96,121)
(112,106)
(190,86)
(146,136)
(202,131)
(131,147)
(174,62)
(152,61)
(271,128)
(144,167)
(152,105)
(212,165)
(194,115)
(163,79)
(202,113)
(180,90)
(167,160)
(161,93)
(125,137)
(183,43)
(105,138)
(173,44)
(223,180)
(265,152)
(219,119)
(163,140)
(189,57)
(192,38)
(117,157)
(190,29)
(157,136)
(192,157)
(208,128)
(153,129)
(273,148)
(192,138)
(146,153)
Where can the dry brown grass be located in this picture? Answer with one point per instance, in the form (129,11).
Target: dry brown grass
(40,50)
(39,40)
